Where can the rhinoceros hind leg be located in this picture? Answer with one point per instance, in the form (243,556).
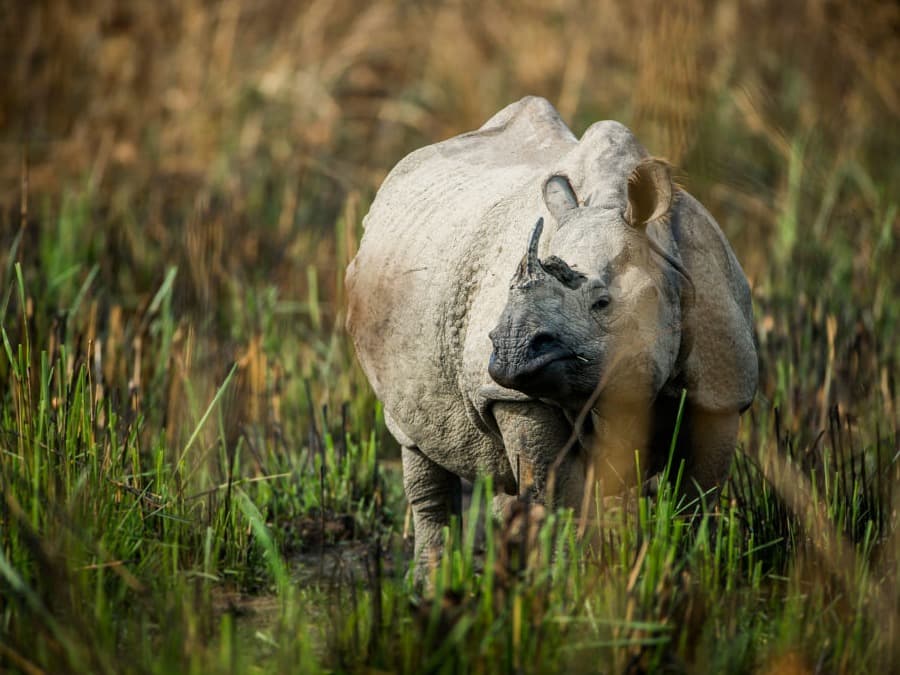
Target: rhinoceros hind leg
(435,495)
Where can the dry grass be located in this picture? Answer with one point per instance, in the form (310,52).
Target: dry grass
(341,89)
(188,122)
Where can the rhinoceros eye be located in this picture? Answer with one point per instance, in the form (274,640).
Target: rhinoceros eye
(600,296)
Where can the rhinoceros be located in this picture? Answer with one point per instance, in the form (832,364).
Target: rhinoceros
(513,278)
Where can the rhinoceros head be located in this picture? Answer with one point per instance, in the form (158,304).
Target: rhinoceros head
(603,306)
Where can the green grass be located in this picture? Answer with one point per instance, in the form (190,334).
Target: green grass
(137,534)
(130,547)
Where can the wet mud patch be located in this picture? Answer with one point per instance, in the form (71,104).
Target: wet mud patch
(318,530)
(350,563)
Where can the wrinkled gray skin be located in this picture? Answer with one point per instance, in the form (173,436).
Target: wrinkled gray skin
(484,335)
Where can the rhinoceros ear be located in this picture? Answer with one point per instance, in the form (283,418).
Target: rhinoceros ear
(650,192)
(559,196)
(721,368)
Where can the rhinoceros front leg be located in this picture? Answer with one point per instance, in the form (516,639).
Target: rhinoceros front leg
(434,494)
(619,448)
(712,442)
(534,434)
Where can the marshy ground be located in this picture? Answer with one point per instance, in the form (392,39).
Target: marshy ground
(195,475)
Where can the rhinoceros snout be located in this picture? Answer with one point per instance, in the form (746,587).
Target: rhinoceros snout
(523,364)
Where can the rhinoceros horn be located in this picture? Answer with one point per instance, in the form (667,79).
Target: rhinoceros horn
(530,269)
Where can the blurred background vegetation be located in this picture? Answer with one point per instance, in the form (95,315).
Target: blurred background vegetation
(182,185)
(242,141)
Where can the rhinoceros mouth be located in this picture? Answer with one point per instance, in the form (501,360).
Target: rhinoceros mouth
(540,362)
(527,375)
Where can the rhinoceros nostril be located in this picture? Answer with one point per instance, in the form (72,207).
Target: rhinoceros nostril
(542,343)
